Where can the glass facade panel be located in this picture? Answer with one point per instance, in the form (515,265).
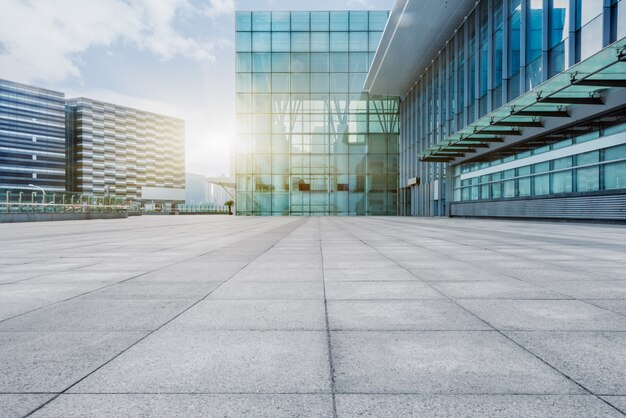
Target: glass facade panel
(310,142)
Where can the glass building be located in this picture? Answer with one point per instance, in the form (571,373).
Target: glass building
(512,108)
(32,137)
(309,141)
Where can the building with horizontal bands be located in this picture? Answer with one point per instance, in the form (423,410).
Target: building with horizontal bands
(508,108)
(32,137)
(125,152)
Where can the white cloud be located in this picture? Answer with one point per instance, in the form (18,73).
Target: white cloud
(43,39)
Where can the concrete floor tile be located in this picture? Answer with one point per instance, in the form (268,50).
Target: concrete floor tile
(381,290)
(270,290)
(597,360)
(506,289)
(613,305)
(544,315)
(473,406)
(98,315)
(371,274)
(20,405)
(400,315)
(452,362)
(253,274)
(52,361)
(158,290)
(252,315)
(218,362)
(188,405)
(597,289)
(618,402)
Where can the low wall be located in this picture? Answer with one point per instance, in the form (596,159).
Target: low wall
(601,206)
(42,217)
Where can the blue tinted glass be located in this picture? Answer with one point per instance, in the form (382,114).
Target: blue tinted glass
(339,41)
(339,83)
(299,83)
(534,31)
(300,62)
(374,40)
(319,21)
(243,82)
(261,62)
(319,41)
(338,21)
(280,41)
(261,83)
(358,62)
(280,82)
(243,21)
(358,41)
(261,42)
(358,21)
(281,21)
(339,62)
(377,20)
(243,41)
(319,83)
(261,21)
(300,21)
(280,62)
(300,41)
(244,62)
(319,62)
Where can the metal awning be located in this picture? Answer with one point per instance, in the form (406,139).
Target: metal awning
(580,84)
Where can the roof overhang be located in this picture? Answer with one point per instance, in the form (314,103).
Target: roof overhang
(586,85)
(416,31)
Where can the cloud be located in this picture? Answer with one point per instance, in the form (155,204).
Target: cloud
(44,39)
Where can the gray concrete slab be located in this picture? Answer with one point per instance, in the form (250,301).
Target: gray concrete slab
(473,406)
(503,289)
(20,405)
(597,360)
(97,315)
(52,361)
(544,315)
(218,362)
(380,290)
(257,314)
(270,290)
(260,316)
(418,315)
(188,405)
(453,362)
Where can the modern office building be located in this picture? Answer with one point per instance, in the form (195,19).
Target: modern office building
(32,137)
(508,108)
(125,152)
(309,141)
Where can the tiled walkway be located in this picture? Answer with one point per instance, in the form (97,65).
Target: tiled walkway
(231,316)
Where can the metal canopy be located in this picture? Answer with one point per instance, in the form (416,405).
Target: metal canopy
(580,84)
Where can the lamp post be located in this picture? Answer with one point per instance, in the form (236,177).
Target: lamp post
(43,197)
(38,187)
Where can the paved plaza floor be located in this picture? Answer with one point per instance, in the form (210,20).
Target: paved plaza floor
(315,317)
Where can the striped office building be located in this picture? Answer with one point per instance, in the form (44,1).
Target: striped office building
(32,137)
(125,152)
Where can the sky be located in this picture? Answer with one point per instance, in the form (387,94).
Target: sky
(175,57)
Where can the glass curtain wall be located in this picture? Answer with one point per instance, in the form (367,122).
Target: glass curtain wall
(309,142)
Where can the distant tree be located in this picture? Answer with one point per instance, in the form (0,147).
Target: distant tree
(230,204)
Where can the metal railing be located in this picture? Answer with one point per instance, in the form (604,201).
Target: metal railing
(40,201)
(201,209)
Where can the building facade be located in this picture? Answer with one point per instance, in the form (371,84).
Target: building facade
(32,137)
(120,151)
(309,141)
(513,108)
